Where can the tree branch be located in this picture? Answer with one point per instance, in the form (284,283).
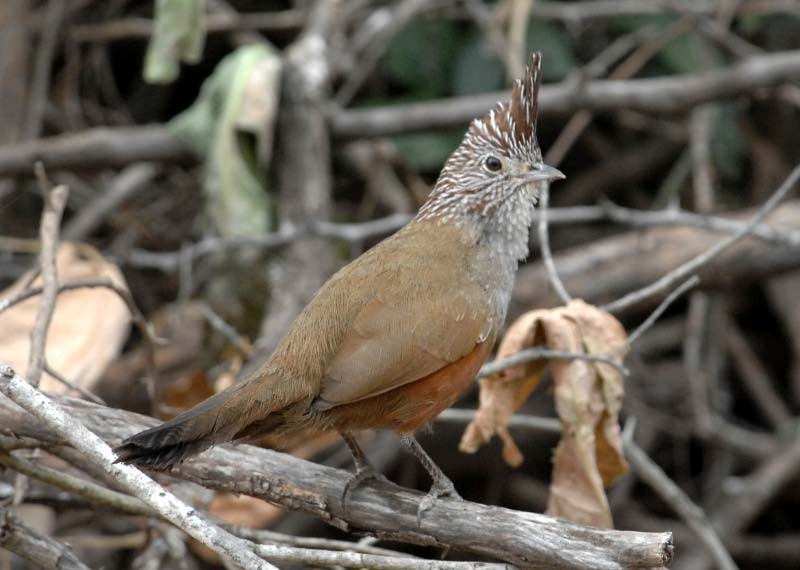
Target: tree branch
(663,95)
(129,478)
(525,539)
(36,548)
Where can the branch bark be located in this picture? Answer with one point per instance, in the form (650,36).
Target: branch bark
(129,478)
(524,539)
(662,95)
(36,548)
(104,147)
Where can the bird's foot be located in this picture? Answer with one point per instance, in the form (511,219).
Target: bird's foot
(363,473)
(442,487)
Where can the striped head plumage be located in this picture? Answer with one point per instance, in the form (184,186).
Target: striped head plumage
(497,170)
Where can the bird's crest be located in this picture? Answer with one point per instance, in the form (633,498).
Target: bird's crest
(511,125)
(524,108)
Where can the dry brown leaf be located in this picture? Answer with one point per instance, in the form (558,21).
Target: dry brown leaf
(89,326)
(588,398)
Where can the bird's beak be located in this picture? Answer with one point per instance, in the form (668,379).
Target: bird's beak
(544,172)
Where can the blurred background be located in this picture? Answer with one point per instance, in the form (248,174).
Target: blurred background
(225,157)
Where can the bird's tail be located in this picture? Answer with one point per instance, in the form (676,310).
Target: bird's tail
(218,419)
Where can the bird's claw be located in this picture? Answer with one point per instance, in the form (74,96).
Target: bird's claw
(442,487)
(363,474)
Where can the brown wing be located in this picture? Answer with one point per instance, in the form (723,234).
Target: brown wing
(396,341)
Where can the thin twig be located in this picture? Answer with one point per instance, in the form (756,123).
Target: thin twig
(544,243)
(82,487)
(54,202)
(756,379)
(264,536)
(531,354)
(649,472)
(72,386)
(654,41)
(358,560)
(393,20)
(675,217)
(130,180)
(525,421)
(351,233)
(686,269)
(225,329)
(40,87)
(658,311)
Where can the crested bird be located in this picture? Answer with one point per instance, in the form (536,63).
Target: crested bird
(398,334)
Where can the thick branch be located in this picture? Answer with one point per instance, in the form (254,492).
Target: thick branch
(104,147)
(525,539)
(129,478)
(38,549)
(649,254)
(662,95)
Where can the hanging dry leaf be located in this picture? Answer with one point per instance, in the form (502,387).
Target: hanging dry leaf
(588,398)
(89,326)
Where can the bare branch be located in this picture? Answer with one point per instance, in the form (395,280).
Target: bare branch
(130,180)
(658,311)
(531,354)
(388,511)
(129,478)
(133,28)
(82,487)
(36,548)
(104,147)
(351,233)
(55,201)
(649,472)
(650,254)
(692,265)
(544,243)
(72,386)
(663,95)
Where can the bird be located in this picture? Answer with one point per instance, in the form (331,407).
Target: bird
(397,335)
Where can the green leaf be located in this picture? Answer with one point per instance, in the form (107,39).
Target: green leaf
(557,55)
(689,54)
(727,142)
(178,35)
(428,151)
(236,107)
(477,69)
(421,56)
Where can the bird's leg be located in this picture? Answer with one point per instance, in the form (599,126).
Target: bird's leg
(442,486)
(364,469)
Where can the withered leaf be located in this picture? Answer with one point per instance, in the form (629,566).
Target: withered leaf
(588,397)
(89,325)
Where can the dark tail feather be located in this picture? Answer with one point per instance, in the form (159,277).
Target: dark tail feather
(157,458)
(240,411)
(216,420)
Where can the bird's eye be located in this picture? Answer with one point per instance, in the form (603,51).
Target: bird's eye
(493,164)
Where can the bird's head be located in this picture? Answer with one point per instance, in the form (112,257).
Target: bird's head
(497,173)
